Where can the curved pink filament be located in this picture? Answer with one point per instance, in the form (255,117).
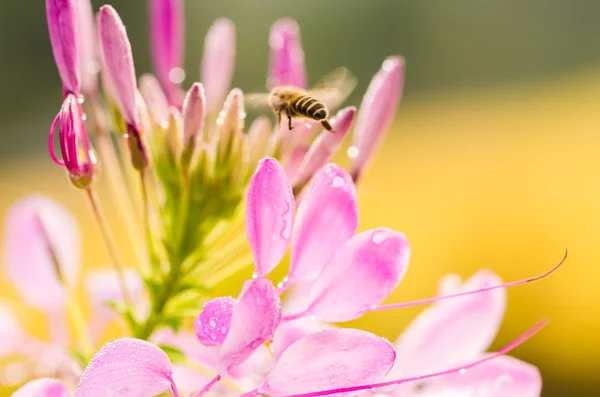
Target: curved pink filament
(438,298)
(51,142)
(209,386)
(512,345)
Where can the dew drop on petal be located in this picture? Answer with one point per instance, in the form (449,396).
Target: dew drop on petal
(387,65)
(332,379)
(338,181)
(254,276)
(313,318)
(463,371)
(352,152)
(373,389)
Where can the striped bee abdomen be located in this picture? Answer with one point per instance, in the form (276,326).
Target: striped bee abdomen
(307,106)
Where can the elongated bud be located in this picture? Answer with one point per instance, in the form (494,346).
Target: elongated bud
(287,57)
(155,99)
(174,136)
(194,111)
(64,36)
(88,55)
(218,62)
(230,121)
(377,111)
(77,155)
(324,147)
(118,61)
(259,136)
(167,41)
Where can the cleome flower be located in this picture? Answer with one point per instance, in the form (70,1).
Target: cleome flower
(186,169)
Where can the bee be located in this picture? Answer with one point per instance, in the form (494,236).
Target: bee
(294,102)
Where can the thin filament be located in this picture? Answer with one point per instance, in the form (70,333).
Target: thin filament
(512,345)
(438,298)
(51,143)
(206,388)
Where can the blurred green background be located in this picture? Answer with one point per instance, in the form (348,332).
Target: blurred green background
(493,161)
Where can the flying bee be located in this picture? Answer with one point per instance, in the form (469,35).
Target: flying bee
(294,102)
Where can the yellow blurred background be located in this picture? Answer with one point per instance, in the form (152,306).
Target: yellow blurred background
(503,173)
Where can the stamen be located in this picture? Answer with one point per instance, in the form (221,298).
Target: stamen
(206,388)
(462,369)
(477,291)
(51,143)
(228,271)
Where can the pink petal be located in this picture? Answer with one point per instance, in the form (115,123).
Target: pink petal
(287,57)
(362,273)
(129,368)
(449,284)
(325,146)
(327,217)
(88,59)
(230,122)
(43,387)
(377,111)
(502,376)
(188,379)
(155,100)
(64,36)
(11,334)
(103,287)
(118,60)
(194,111)
(254,320)
(166,36)
(269,215)
(37,230)
(213,323)
(218,62)
(329,359)
(453,331)
(187,342)
(259,139)
(291,331)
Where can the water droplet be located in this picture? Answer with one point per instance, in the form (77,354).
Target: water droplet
(242,115)
(223,330)
(286,279)
(280,285)
(313,318)
(367,373)
(372,307)
(352,152)
(80,100)
(344,376)
(373,389)
(93,67)
(164,124)
(379,237)
(338,181)
(332,379)
(213,336)
(176,75)
(330,368)
(387,65)
(463,371)
(84,117)
(212,323)
(254,276)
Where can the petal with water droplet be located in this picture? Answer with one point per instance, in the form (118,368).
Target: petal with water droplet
(327,218)
(41,247)
(129,368)
(329,359)
(453,330)
(254,320)
(291,331)
(363,273)
(43,387)
(269,215)
(213,323)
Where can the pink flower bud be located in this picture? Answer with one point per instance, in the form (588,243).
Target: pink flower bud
(62,24)
(376,113)
(194,110)
(287,57)
(118,60)
(166,34)
(88,55)
(77,155)
(155,100)
(325,146)
(218,62)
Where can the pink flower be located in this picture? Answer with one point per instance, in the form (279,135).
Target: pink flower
(64,36)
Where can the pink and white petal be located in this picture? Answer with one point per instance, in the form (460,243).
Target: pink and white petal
(363,273)
(297,298)
(218,62)
(187,342)
(38,232)
(329,359)
(129,368)
(453,331)
(254,320)
(11,333)
(327,218)
(287,57)
(43,387)
(269,215)
(104,286)
(290,332)
(500,377)
(449,284)
(213,323)
(254,369)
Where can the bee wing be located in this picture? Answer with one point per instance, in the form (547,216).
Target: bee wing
(256,100)
(335,87)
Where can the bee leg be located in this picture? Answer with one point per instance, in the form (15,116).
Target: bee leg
(279,118)
(289,116)
(326,125)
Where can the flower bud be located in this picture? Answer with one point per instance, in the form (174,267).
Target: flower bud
(167,42)
(230,122)
(194,111)
(287,57)
(64,36)
(377,111)
(259,136)
(155,99)
(218,62)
